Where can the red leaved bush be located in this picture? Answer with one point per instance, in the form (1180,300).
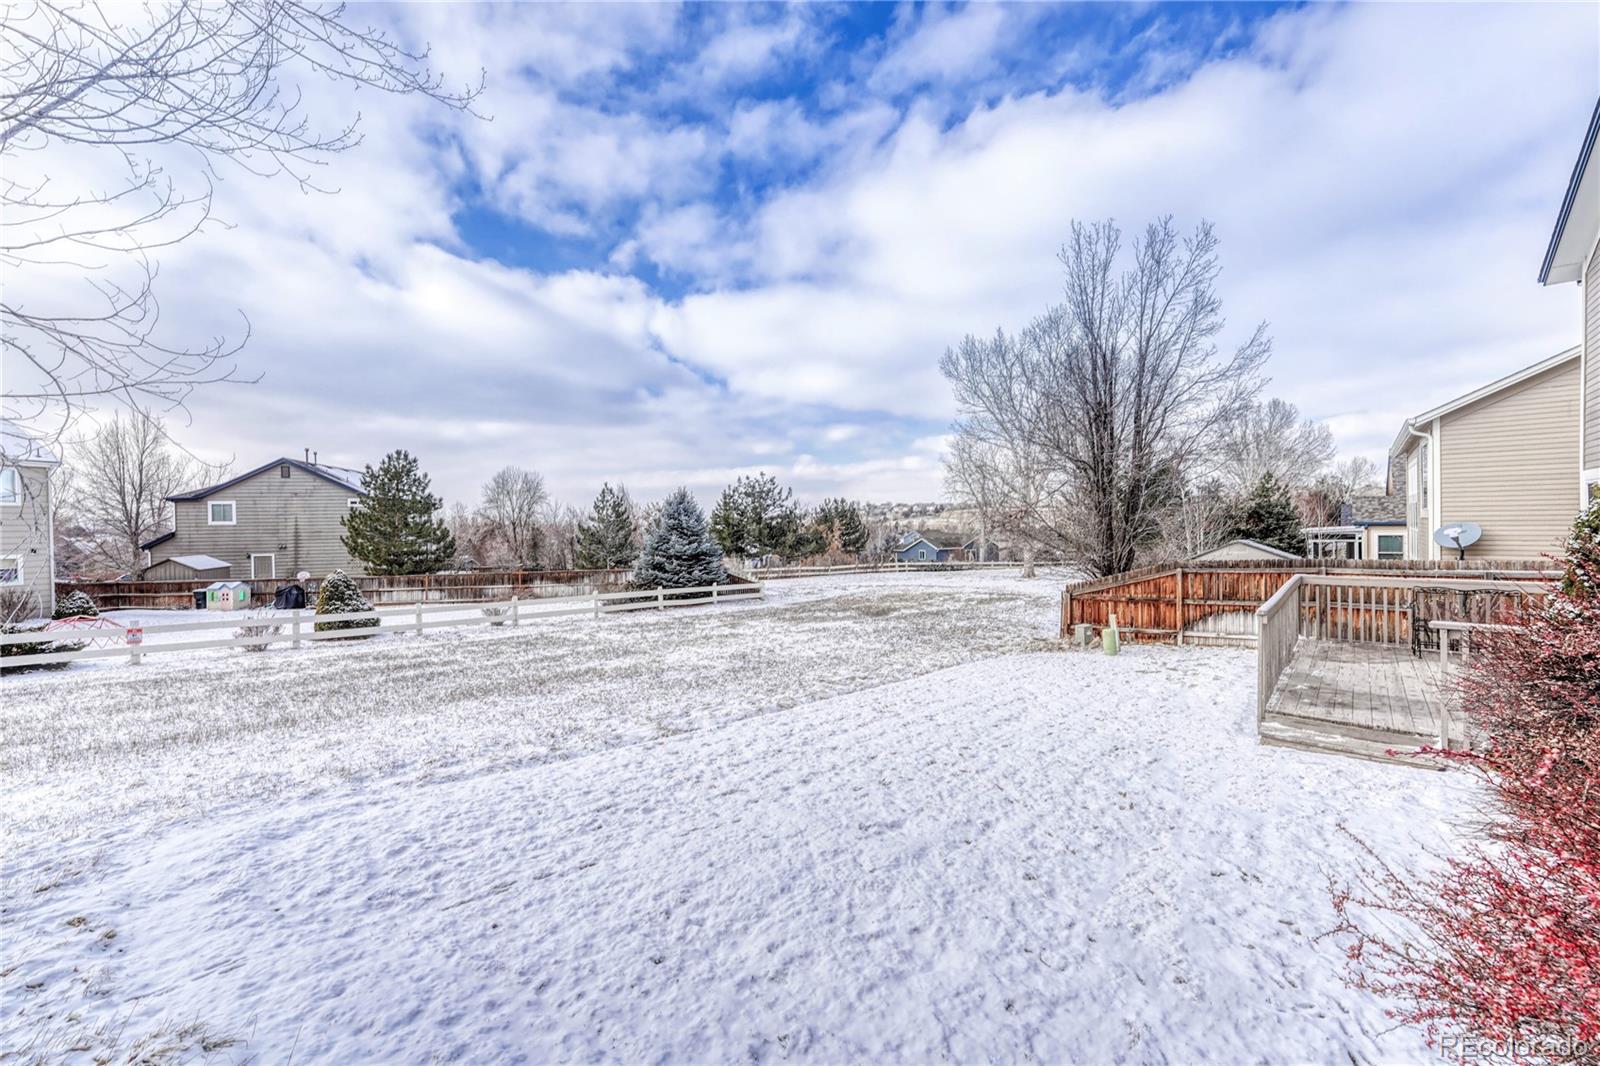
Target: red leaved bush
(1502,943)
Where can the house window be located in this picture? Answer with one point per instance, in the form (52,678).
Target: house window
(1391,546)
(10,492)
(283,471)
(264,565)
(354,502)
(220,513)
(10,569)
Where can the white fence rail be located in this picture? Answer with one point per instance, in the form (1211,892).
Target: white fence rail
(768,572)
(301,625)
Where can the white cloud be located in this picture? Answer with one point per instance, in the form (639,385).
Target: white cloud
(1383,179)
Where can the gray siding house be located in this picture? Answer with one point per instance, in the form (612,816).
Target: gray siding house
(27,537)
(270,523)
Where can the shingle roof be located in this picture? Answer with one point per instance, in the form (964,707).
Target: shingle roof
(19,447)
(1375,511)
(336,474)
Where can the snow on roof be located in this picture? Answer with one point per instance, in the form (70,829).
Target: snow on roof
(200,562)
(17,446)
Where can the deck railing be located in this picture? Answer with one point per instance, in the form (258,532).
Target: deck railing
(1277,633)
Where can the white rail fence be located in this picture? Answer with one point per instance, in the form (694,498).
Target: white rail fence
(293,627)
(768,572)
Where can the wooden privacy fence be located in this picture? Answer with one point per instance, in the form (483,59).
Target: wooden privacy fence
(1215,603)
(293,627)
(466,587)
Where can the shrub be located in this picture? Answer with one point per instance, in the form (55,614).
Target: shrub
(258,624)
(340,595)
(497,615)
(76,604)
(1503,944)
(18,605)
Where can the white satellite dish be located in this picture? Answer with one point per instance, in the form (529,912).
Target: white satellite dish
(1458,535)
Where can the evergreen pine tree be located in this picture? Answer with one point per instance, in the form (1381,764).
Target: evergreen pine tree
(679,551)
(1269,517)
(396,528)
(755,516)
(76,604)
(607,537)
(340,595)
(844,518)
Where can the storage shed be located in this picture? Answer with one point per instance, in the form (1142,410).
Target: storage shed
(190,568)
(1244,548)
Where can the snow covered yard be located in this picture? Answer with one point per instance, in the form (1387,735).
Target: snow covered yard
(864,822)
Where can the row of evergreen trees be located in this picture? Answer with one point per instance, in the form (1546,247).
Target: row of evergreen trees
(755,516)
(397,528)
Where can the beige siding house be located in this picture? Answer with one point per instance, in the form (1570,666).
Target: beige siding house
(272,522)
(27,538)
(1504,456)
(1242,549)
(1574,255)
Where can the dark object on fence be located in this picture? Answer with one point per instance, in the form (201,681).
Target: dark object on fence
(289,598)
(199,599)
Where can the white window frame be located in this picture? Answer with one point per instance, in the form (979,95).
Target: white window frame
(12,497)
(234,510)
(22,579)
(1381,554)
(273,576)
(353,502)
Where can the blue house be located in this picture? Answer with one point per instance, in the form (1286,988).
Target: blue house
(913,547)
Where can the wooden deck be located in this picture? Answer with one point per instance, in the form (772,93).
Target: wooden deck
(1356,699)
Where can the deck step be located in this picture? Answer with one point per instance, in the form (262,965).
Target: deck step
(1331,738)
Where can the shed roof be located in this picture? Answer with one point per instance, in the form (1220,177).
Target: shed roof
(1267,549)
(200,562)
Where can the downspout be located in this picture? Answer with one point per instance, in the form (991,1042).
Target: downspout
(1424,523)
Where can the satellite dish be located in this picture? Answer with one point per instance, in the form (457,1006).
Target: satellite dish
(1458,535)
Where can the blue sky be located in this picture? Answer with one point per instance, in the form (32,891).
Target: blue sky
(691,242)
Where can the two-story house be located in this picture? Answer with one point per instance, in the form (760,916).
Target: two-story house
(1574,255)
(1520,456)
(271,522)
(27,537)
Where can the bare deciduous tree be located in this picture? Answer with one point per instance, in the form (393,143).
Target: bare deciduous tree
(113,120)
(1271,439)
(513,507)
(1132,384)
(122,477)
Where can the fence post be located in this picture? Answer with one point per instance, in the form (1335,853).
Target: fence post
(419,618)
(513,612)
(1177,598)
(661,600)
(713,595)
(294,627)
(597,606)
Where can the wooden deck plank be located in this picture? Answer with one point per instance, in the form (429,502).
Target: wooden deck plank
(1374,689)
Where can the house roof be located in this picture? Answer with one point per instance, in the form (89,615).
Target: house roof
(1579,217)
(338,475)
(1485,392)
(1375,511)
(159,539)
(199,562)
(24,449)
